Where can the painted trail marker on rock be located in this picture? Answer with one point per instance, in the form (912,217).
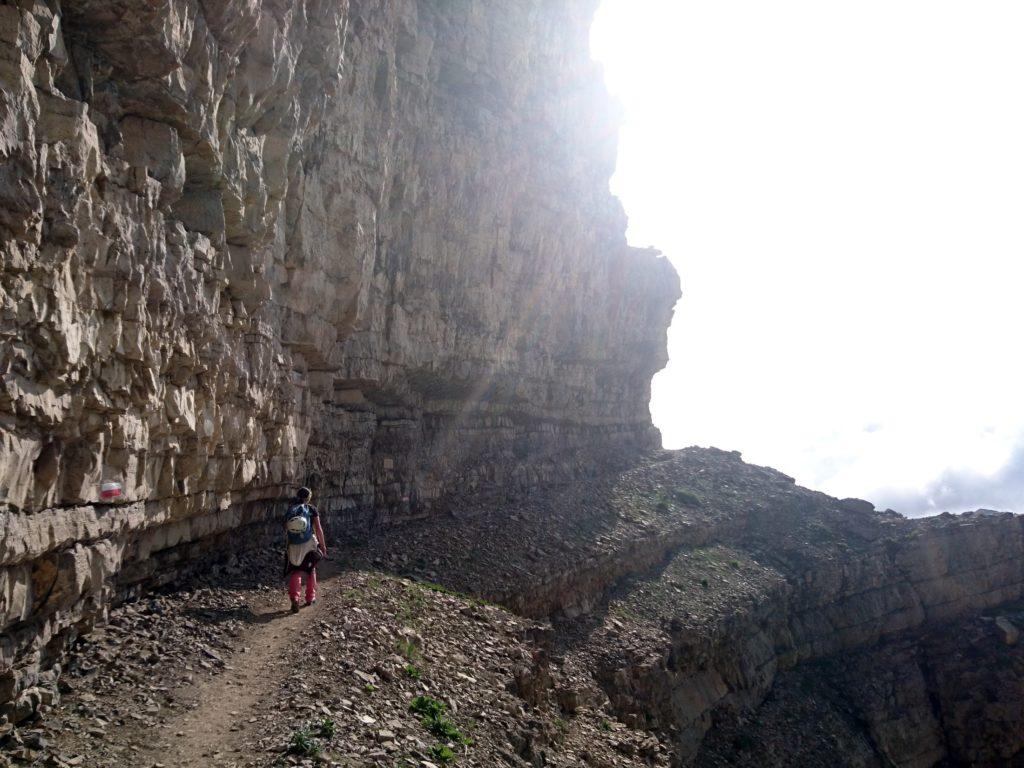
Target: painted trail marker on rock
(110,490)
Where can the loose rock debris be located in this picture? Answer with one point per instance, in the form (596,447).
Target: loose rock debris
(225,676)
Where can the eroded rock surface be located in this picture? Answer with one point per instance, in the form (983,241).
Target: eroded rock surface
(713,600)
(364,245)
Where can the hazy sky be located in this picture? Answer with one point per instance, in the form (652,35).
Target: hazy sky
(841,187)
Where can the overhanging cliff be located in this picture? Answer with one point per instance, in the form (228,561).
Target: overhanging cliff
(363,245)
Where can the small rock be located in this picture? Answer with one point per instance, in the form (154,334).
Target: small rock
(1011,635)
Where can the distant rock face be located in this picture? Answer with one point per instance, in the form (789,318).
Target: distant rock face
(746,621)
(367,246)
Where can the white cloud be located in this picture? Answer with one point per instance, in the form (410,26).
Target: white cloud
(961,490)
(841,187)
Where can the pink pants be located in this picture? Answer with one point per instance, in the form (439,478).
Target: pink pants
(295,585)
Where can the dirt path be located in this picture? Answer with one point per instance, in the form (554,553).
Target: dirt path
(218,722)
(218,673)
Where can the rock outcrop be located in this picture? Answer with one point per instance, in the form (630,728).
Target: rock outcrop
(367,246)
(748,621)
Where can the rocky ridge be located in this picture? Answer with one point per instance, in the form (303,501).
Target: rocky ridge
(695,587)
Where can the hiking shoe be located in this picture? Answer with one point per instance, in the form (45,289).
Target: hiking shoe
(310,602)
(295,606)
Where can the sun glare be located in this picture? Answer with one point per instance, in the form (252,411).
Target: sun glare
(841,188)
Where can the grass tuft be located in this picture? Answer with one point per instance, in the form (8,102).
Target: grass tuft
(303,744)
(326,728)
(433,718)
(412,671)
(441,753)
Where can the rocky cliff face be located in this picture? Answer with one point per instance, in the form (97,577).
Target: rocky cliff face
(367,246)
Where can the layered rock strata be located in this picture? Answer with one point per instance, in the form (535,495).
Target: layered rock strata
(954,695)
(800,579)
(367,246)
(710,597)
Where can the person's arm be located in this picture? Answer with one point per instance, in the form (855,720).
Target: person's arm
(320,535)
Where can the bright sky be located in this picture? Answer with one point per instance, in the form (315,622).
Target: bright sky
(841,188)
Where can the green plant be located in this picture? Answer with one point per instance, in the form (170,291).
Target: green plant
(369,687)
(666,499)
(304,744)
(686,497)
(444,729)
(704,583)
(426,706)
(604,725)
(433,719)
(326,728)
(735,563)
(442,589)
(411,670)
(442,753)
(408,649)
(412,606)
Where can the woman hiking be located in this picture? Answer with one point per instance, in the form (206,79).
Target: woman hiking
(306,545)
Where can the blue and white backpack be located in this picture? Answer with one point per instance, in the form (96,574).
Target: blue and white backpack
(299,524)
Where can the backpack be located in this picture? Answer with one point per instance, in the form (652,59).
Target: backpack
(298,524)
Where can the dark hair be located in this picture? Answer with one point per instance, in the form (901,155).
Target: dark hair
(303,494)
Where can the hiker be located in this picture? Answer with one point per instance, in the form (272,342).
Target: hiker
(306,545)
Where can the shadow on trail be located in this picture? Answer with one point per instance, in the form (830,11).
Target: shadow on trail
(245,614)
(242,614)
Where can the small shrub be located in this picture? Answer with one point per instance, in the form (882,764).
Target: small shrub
(426,706)
(704,583)
(303,744)
(444,729)
(369,687)
(735,563)
(442,753)
(407,648)
(326,728)
(412,671)
(433,719)
(604,725)
(686,497)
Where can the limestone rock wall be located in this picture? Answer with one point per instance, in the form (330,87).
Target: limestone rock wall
(245,244)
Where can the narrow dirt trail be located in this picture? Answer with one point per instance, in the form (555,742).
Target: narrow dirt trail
(220,674)
(212,731)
